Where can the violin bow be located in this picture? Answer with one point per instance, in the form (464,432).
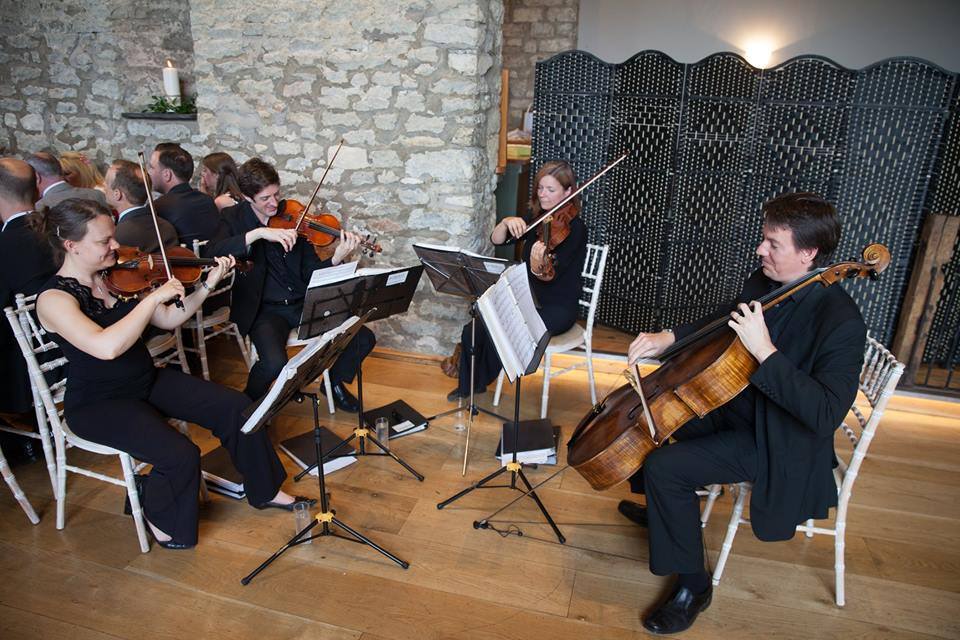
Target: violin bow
(156,225)
(597,176)
(306,209)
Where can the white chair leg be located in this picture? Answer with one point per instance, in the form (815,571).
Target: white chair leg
(496,394)
(715,490)
(61,493)
(202,347)
(329,389)
(838,561)
(48,453)
(809,533)
(545,397)
(243,348)
(593,383)
(16,490)
(127,465)
(731,533)
(180,352)
(43,427)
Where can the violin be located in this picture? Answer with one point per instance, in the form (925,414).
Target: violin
(553,231)
(698,374)
(321,230)
(137,272)
(554,225)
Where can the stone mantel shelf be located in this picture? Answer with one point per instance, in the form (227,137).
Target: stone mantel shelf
(148,115)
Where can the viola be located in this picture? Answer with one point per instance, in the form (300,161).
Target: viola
(321,230)
(698,374)
(553,231)
(137,272)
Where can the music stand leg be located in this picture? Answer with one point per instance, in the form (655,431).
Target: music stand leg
(327,515)
(516,470)
(472,406)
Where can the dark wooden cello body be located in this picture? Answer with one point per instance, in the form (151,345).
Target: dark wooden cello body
(697,375)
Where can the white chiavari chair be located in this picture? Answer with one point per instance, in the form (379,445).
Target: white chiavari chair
(577,340)
(879,377)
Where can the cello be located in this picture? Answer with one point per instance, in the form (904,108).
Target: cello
(698,374)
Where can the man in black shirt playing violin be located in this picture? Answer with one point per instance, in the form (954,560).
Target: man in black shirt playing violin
(778,432)
(268,301)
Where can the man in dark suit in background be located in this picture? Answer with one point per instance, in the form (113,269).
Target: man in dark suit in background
(778,432)
(52,183)
(192,213)
(127,195)
(26,263)
(268,301)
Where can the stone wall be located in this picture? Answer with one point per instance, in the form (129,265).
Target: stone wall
(69,69)
(534,30)
(411,87)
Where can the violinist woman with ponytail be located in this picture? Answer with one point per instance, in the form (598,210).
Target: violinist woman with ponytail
(116,397)
(554,270)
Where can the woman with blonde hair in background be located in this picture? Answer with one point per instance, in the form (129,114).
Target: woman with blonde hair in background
(80,172)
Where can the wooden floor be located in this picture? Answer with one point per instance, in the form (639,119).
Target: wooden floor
(91,581)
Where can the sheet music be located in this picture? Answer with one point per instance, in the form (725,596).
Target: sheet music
(512,320)
(332,274)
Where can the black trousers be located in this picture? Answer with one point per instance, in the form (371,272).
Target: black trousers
(487,363)
(269,333)
(715,449)
(140,428)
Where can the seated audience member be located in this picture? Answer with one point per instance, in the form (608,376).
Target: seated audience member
(25,264)
(193,214)
(127,195)
(52,183)
(80,172)
(218,179)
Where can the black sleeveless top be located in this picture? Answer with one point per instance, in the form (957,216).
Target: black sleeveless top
(89,379)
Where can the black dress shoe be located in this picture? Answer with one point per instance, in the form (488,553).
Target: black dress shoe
(678,612)
(343,399)
(288,506)
(635,513)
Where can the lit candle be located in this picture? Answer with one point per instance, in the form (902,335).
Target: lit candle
(171,80)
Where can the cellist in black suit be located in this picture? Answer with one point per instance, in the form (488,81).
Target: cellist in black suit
(778,432)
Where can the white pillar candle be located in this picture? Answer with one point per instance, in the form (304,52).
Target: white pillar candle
(171,80)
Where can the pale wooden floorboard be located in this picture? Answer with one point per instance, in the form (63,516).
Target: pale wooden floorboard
(91,581)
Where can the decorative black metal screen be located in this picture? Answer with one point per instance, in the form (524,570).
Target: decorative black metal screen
(710,142)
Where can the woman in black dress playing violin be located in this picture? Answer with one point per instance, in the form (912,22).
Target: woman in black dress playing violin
(116,397)
(556,297)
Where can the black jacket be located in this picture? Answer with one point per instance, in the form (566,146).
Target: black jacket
(26,263)
(135,229)
(302,261)
(804,391)
(192,213)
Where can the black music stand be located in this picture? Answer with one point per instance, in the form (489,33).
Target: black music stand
(299,372)
(509,356)
(375,296)
(466,275)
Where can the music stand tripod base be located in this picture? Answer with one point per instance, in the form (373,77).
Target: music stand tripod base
(298,373)
(515,469)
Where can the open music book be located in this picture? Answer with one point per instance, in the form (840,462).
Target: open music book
(514,325)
